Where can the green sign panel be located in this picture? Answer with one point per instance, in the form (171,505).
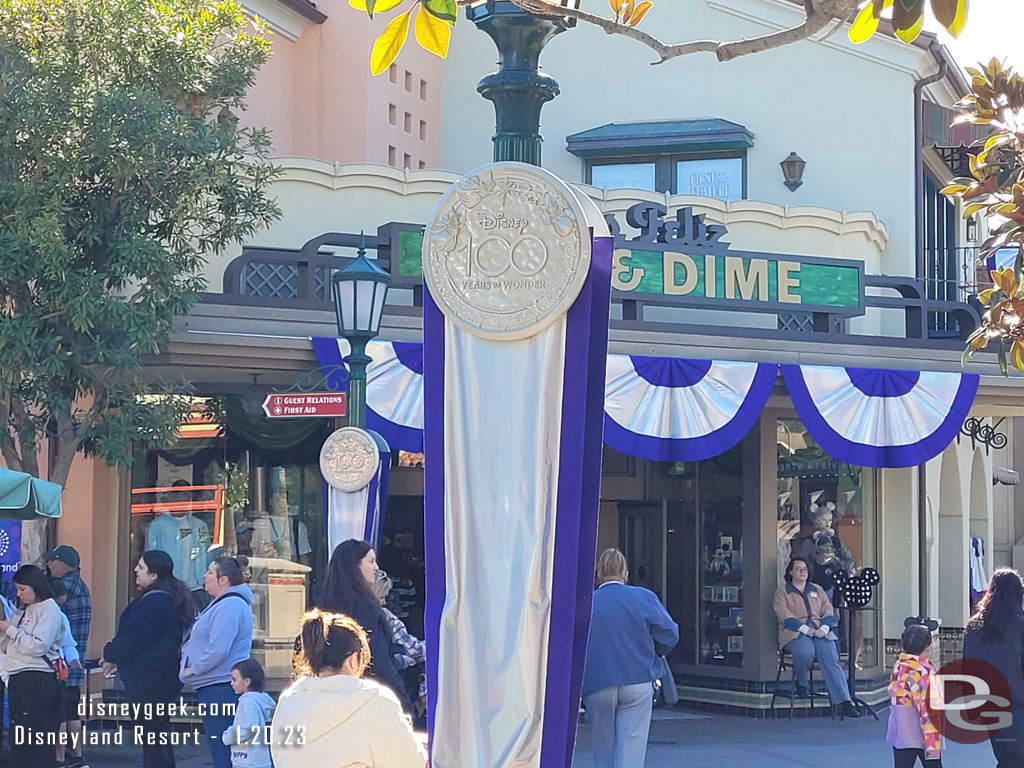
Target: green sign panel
(683,261)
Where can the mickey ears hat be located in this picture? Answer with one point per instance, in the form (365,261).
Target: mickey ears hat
(931,624)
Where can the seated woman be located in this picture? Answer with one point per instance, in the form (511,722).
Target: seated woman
(806,624)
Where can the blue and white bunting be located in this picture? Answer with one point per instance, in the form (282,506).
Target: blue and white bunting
(394,387)
(872,417)
(672,409)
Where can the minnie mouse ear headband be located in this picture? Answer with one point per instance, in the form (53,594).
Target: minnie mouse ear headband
(931,624)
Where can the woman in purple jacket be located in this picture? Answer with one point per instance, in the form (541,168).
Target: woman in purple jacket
(629,630)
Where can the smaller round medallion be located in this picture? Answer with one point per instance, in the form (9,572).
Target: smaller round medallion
(349,459)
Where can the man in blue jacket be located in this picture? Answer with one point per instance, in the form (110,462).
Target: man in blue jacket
(221,637)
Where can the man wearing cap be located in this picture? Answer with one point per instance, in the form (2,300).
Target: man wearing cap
(62,564)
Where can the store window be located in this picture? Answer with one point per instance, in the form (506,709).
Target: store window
(827,513)
(254,491)
(704,560)
(718,177)
(623,176)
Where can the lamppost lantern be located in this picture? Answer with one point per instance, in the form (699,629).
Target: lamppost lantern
(359,290)
(518,89)
(793,171)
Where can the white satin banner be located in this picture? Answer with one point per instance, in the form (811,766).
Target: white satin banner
(515,314)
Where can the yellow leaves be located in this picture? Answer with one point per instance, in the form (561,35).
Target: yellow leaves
(1003,279)
(985,297)
(640,12)
(433,34)
(866,23)
(1017,355)
(377,7)
(629,12)
(390,43)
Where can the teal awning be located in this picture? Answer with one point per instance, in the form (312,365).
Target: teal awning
(659,137)
(23,497)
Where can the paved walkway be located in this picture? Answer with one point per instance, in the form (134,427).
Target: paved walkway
(681,739)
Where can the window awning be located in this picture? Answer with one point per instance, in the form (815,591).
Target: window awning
(675,409)
(23,497)
(656,137)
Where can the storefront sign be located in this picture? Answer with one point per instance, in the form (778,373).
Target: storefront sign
(686,261)
(309,405)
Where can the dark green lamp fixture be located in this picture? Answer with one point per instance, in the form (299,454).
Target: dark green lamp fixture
(518,89)
(359,290)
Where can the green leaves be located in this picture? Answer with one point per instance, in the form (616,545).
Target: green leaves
(446,10)
(123,167)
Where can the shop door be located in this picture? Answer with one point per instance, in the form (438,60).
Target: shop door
(643,539)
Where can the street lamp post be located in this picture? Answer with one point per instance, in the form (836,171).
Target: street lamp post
(518,89)
(359,292)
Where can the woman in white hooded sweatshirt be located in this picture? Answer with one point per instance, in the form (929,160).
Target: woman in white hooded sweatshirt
(332,717)
(31,643)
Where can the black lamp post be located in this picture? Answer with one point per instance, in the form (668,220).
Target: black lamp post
(359,292)
(518,89)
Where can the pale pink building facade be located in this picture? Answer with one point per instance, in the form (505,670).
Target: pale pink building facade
(319,100)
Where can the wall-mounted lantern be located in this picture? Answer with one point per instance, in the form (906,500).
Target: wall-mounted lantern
(793,171)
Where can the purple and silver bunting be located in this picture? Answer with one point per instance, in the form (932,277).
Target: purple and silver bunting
(672,409)
(880,418)
(394,387)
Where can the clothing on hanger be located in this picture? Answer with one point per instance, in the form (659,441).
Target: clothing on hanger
(979,578)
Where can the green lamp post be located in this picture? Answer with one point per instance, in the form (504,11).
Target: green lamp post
(359,290)
(518,89)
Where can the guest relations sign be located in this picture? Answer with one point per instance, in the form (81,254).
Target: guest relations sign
(685,261)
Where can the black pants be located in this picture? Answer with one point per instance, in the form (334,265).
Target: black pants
(907,758)
(1008,744)
(35,700)
(156,755)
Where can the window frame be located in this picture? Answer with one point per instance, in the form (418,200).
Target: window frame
(665,166)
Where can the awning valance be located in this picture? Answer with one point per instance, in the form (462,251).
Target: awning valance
(23,497)
(677,409)
(671,409)
(874,417)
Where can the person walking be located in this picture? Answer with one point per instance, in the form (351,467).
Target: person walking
(247,736)
(331,716)
(995,634)
(348,590)
(64,563)
(30,643)
(807,625)
(629,630)
(221,637)
(911,733)
(146,649)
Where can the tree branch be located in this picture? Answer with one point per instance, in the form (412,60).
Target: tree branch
(819,13)
(7,446)
(26,436)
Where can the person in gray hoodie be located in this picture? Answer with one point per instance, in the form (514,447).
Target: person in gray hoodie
(221,637)
(248,736)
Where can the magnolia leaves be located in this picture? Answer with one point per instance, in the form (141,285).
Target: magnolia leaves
(629,12)
(434,22)
(995,190)
(908,18)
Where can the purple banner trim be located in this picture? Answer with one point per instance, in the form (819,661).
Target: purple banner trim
(578,502)
(328,355)
(325,499)
(883,456)
(372,499)
(433,493)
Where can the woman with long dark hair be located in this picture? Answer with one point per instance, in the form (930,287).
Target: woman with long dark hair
(995,634)
(31,643)
(347,590)
(146,650)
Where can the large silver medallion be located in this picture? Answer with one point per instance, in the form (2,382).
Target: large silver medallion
(349,459)
(506,251)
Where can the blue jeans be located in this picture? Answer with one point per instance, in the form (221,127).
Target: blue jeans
(620,719)
(217,718)
(804,649)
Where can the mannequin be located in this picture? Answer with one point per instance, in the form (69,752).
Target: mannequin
(823,516)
